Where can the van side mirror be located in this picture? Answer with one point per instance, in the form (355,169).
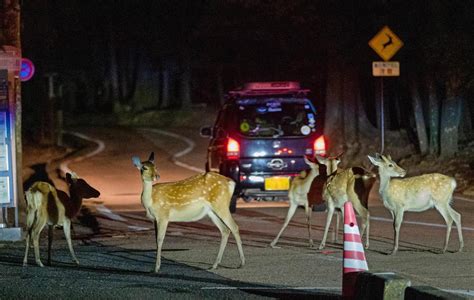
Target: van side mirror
(206,131)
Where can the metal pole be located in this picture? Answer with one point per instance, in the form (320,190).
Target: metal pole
(382,118)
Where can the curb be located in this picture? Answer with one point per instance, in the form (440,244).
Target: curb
(389,285)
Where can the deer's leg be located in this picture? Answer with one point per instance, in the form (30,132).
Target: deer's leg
(67,233)
(35,235)
(457,219)
(155,225)
(50,242)
(225,231)
(365,216)
(308,211)
(335,228)
(328,223)
(443,210)
(30,220)
(25,258)
(397,222)
(291,212)
(160,237)
(226,217)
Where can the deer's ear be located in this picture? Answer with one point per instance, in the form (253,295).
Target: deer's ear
(136,162)
(373,160)
(152,157)
(307,161)
(68,178)
(320,159)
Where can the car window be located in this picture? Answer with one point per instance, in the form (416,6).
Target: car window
(224,121)
(275,117)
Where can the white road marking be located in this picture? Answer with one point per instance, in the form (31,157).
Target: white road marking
(109,214)
(100,147)
(138,228)
(418,223)
(174,158)
(462,198)
(269,288)
(462,292)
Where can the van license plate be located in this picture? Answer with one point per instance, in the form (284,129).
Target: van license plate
(277,183)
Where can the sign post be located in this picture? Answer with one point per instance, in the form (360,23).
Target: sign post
(10,66)
(385,43)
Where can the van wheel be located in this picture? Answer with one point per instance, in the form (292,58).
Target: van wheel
(233,203)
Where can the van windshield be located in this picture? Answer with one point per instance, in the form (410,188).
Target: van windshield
(275,117)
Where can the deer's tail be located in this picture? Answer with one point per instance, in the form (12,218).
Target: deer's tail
(32,208)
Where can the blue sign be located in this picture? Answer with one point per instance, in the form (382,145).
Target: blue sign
(27,69)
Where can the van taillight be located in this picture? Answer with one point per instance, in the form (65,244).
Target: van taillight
(319,146)
(233,149)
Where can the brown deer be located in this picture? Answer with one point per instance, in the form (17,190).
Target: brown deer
(300,193)
(351,184)
(47,205)
(188,200)
(418,193)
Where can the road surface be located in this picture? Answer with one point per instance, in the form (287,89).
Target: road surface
(115,244)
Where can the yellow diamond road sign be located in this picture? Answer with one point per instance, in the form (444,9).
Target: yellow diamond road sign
(386,43)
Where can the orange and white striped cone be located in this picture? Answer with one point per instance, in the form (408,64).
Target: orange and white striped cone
(354,257)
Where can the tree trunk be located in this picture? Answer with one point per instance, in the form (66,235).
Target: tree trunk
(186,82)
(114,74)
(220,86)
(419,118)
(333,119)
(450,118)
(349,103)
(433,117)
(165,96)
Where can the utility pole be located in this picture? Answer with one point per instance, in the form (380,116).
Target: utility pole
(10,36)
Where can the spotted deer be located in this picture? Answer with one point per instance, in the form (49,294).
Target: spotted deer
(188,200)
(305,190)
(416,194)
(351,184)
(298,195)
(47,205)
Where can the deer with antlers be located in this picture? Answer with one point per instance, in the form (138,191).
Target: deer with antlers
(47,205)
(351,184)
(188,200)
(416,194)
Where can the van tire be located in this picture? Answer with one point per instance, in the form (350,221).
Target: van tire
(233,203)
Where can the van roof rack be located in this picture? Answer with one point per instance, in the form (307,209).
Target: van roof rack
(269,88)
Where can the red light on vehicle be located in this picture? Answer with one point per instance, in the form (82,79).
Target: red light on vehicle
(233,149)
(319,146)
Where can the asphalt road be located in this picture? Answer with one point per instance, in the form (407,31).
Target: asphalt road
(115,244)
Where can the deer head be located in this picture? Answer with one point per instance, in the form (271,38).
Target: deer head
(331,162)
(387,167)
(147,168)
(80,188)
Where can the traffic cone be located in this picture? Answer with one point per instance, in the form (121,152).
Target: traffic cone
(354,257)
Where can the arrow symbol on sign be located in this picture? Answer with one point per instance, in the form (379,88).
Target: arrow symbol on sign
(387,43)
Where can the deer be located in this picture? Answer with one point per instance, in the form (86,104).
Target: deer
(305,190)
(48,205)
(188,200)
(350,184)
(416,194)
